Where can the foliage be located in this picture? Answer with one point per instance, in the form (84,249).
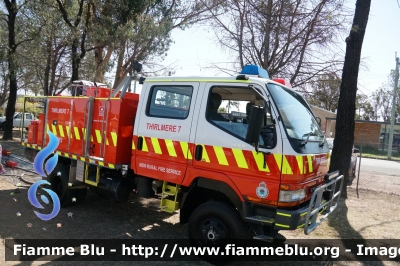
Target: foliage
(29,107)
(325,93)
(282,36)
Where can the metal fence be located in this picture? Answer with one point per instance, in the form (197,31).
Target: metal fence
(374,171)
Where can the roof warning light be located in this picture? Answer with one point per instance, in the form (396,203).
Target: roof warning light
(255,70)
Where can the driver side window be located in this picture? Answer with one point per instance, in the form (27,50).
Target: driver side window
(229,108)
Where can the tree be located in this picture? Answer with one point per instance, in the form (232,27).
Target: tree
(77,18)
(344,131)
(381,100)
(150,34)
(281,36)
(364,107)
(325,93)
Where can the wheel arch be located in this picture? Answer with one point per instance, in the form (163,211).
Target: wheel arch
(202,190)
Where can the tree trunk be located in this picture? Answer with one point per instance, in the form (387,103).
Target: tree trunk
(344,134)
(75,60)
(47,69)
(12,69)
(119,73)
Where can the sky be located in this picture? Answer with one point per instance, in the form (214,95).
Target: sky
(195,49)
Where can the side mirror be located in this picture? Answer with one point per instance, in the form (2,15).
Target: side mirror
(355,150)
(255,125)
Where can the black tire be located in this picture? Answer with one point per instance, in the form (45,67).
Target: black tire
(59,184)
(214,223)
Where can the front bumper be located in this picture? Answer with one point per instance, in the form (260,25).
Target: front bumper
(324,201)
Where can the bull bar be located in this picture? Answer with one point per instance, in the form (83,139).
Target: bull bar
(325,199)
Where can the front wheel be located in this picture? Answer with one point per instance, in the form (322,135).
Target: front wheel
(214,223)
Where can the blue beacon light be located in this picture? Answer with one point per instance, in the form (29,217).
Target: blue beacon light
(255,70)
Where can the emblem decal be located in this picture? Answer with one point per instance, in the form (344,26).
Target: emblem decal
(262,190)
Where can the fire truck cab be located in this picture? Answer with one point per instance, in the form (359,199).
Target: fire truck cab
(252,172)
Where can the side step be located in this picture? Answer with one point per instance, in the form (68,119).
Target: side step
(168,191)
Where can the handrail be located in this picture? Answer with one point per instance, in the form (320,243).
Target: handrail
(123,85)
(104,132)
(70,122)
(85,126)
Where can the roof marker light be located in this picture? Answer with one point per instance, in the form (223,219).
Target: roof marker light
(283,82)
(255,70)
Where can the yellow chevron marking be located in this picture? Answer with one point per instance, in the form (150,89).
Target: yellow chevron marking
(259,158)
(114,138)
(82,159)
(170,148)
(74,156)
(77,136)
(91,137)
(133,144)
(286,169)
(219,152)
(156,145)
(59,153)
(68,133)
(300,163)
(185,150)
(310,167)
(144,148)
(53,128)
(284,166)
(101,163)
(239,157)
(98,136)
(205,155)
(110,165)
(84,133)
(60,128)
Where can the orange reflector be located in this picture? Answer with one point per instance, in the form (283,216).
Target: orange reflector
(285,187)
(254,199)
(262,201)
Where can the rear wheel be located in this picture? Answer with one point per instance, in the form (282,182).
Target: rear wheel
(214,223)
(59,184)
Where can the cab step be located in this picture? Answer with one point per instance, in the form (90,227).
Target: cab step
(169,191)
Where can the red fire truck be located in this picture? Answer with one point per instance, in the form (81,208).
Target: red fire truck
(264,172)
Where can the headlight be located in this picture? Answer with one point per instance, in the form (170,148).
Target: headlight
(291,195)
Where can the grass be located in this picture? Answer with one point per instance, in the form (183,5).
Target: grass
(371,152)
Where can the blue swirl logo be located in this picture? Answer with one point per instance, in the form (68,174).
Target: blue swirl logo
(45,170)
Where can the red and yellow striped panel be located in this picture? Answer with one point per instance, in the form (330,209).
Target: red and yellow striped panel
(80,134)
(231,157)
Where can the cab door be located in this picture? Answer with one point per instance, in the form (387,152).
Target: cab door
(221,147)
(162,130)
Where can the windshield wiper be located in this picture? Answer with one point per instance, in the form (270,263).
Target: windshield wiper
(303,144)
(322,143)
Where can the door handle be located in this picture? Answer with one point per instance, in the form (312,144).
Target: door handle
(198,154)
(140,143)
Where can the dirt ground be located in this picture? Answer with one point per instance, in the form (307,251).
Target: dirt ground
(371,216)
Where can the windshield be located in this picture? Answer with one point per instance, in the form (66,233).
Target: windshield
(296,115)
